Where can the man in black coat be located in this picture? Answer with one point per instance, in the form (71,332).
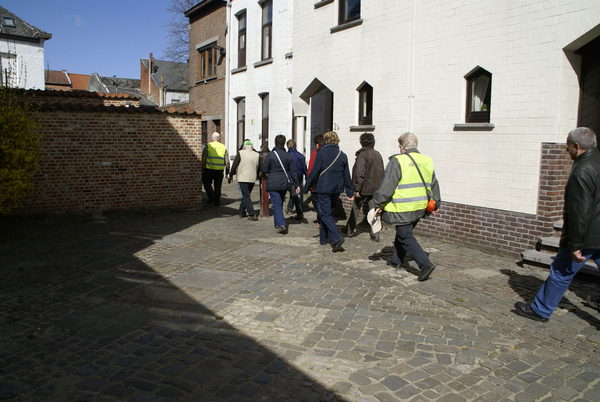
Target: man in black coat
(580,240)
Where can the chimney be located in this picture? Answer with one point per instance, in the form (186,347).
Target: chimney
(150,69)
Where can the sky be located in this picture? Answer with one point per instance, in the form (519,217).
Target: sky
(107,37)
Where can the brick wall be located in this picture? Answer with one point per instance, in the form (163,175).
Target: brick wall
(117,158)
(496,230)
(208,97)
(80,98)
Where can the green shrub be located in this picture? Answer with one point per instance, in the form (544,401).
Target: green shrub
(21,140)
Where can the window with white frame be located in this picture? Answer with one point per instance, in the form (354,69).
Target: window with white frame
(241,121)
(349,11)
(365,105)
(241,39)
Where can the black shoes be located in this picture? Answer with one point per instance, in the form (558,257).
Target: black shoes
(299,217)
(393,265)
(253,217)
(426,272)
(375,238)
(282,229)
(525,310)
(243,215)
(338,245)
(593,302)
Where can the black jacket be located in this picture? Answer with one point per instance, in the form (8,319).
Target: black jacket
(277,179)
(367,171)
(336,178)
(581,215)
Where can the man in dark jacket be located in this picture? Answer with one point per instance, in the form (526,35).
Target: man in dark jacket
(280,171)
(580,240)
(367,174)
(300,165)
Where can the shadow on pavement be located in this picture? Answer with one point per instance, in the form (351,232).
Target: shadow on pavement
(110,310)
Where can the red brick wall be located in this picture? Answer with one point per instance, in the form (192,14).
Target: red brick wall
(208,97)
(79,98)
(497,230)
(114,159)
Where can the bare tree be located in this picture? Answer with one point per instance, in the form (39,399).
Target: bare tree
(178,34)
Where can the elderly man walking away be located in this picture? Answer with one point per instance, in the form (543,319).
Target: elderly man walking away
(408,183)
(246,167)
(215,160)
(580,240)
(296,200)
(367,174)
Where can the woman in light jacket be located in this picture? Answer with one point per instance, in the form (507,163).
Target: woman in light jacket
(332,176)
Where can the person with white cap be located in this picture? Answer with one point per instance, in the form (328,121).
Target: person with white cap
(408,192)
(246,167)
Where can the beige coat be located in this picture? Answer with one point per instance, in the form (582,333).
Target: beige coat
(247,169)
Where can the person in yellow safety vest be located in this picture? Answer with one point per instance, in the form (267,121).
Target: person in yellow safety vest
(402,200)
(215,164)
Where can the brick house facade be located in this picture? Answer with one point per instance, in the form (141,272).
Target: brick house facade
(208,29)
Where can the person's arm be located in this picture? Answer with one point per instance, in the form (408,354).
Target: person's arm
(234,167)
(579,202)
(347,179)
(314,171)
(359,173)
(391,178)
(204,156)
(227,161)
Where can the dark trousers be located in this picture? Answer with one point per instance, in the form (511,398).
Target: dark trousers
(315,204)
(246,204)
(358,206)
(295,200)
(405,242)
(210,177)
(327,203)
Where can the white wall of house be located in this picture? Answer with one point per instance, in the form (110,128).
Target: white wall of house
(176,97)
(28,67)
(274,78)
(415,55)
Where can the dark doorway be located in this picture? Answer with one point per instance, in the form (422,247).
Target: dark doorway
(589,83)
(321,114)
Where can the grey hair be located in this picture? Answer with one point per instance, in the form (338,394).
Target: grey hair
(216,136)
(248,146)
(408,140)
(585,137)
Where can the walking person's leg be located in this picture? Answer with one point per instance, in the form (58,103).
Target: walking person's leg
(246,189)
(207,180)
(327,204)
(218,183)
(277,198)
(562,272)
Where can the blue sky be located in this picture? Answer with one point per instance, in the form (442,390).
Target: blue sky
(106,37)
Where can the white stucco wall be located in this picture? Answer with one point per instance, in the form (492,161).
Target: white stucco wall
(535,90)
(29,62)
(176,96)
(274,78)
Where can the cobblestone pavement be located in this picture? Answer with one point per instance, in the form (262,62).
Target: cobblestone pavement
(181,306)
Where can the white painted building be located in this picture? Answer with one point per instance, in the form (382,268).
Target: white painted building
(259,66)
(21,52)
(415,59)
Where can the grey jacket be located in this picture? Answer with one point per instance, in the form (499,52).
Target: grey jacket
(391,178)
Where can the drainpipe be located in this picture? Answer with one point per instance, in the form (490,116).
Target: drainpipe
(411,91)
(227,78)
(161,101)
(150,76)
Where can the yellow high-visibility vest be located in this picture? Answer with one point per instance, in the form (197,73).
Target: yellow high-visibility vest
(410,195)
(215,156)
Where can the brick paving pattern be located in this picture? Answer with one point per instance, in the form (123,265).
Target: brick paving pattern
(187,306)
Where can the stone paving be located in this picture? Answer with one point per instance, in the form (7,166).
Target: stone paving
(188,306)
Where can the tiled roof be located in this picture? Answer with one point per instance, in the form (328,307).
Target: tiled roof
(175,75)
(21,28)
(79,81)
(76,94)
(111,108)
(53,77)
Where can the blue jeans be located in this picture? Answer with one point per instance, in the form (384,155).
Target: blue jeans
(277,198)
(326,205)
(562,271)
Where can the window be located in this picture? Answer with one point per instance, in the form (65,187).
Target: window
(208,57)
(365,105)
(479,90)
(267,25)
(349,11)
(242,39)
(241,125)
(8,22)
(265,118)
(8,69)
(204,130)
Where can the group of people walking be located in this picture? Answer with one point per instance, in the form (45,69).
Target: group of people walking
(399,195)
(402,194)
